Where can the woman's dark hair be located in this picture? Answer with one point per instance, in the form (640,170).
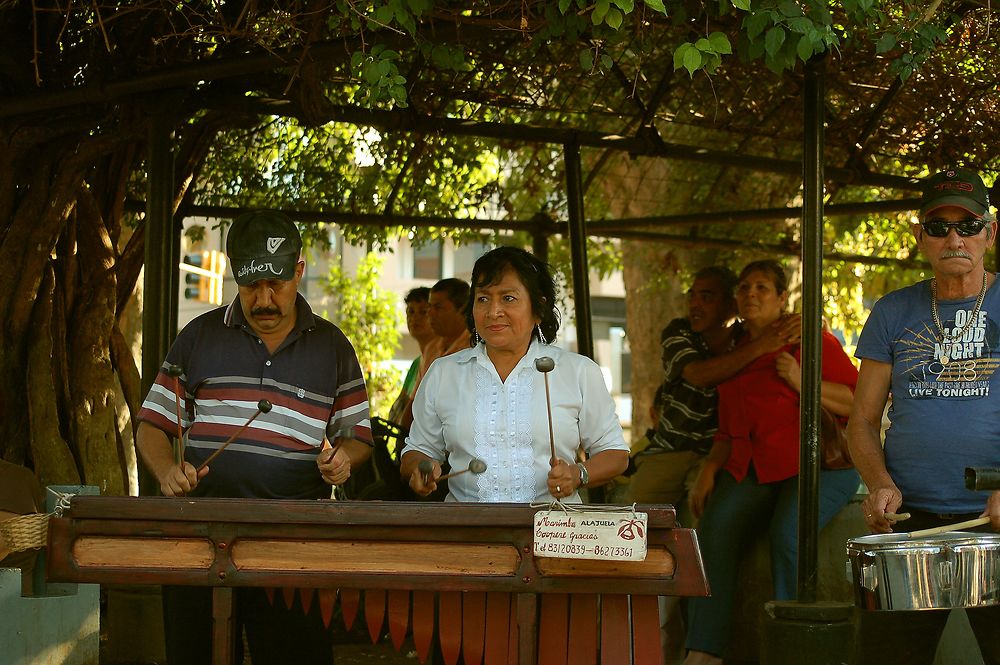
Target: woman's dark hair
(772,269)
(533,273)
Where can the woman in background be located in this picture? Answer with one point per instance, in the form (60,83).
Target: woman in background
(750,477)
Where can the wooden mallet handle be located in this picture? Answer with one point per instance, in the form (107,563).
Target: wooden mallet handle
(263,406)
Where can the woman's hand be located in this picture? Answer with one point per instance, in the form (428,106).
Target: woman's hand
(789,370)
(563,479)
(424,482)
(702,489)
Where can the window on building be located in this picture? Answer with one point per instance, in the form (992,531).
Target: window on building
(466,256)
(427,261)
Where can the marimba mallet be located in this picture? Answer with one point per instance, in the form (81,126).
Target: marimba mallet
(176,371)
(545,365)
(476,466)
(263,406)
(896,517)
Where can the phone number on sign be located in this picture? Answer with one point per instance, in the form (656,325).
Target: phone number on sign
(612,551)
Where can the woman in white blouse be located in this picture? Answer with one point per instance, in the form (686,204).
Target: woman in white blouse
(488,402)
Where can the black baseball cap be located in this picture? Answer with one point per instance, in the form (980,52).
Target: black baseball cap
(956,187)
(264,244)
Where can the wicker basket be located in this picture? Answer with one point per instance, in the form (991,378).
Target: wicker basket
(25,532)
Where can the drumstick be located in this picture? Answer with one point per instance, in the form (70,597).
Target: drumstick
(968,524)
(176,371)
(475,466)
(545,365)
(263,406)
(896,517)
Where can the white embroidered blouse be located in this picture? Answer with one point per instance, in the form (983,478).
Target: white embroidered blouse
(462,410)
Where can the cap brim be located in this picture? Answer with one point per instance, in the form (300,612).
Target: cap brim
(250,270)
(963,202)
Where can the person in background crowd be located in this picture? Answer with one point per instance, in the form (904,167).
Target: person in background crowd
(935,347)
(489,403)
(266,345)
(750,477)
(698,353)
(418,324)
(447,302)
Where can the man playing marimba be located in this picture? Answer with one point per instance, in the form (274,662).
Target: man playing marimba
(270,378)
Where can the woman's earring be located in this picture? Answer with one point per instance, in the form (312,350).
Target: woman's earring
(475,338)
(541,337)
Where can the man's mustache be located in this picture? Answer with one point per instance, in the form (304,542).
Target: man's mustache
(956,254)
(265,311)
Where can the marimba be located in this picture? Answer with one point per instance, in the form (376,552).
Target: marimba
(496,601)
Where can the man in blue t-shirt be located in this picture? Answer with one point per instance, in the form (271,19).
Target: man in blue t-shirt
(935,348)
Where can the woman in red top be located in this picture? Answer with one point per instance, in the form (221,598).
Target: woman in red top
(751,474)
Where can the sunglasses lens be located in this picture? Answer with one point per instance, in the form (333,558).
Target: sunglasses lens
(970,227)
(938,228)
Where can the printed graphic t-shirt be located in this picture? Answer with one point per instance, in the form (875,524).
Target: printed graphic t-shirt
(945,413)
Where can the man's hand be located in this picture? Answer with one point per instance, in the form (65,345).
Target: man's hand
(882,500)
(993,510)
(784,331)
(180,480)
(789,370)
(334,465)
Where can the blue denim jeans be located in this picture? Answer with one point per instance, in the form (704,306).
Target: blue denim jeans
(734,513)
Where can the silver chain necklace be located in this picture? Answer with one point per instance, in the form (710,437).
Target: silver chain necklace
(945,338)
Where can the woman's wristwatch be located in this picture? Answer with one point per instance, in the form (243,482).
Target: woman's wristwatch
(584,474)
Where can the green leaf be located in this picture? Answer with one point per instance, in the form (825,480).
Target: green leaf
(564,6)
(886,43)
(790,8)
(805,48)
(801,25)
(692,60)
(607,62)
(704,46)
(625,5)
(720,43)
(755,24)
(614,18)
(586,60)
(600,11)
(774,39)
(679,53)
(656,5)
(742,4)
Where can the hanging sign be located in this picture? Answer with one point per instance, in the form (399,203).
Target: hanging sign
(569,533)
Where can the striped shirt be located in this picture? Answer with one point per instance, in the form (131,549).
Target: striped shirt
(313,382)
(689,416)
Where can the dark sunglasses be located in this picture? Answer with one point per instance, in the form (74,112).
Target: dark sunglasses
(939,228)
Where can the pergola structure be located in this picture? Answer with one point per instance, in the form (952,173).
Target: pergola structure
(841,123)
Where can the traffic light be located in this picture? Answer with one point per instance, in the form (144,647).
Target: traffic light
(203,276)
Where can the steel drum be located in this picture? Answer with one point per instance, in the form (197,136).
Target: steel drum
(954,569)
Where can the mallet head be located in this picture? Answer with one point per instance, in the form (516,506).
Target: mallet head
(263,406)
(545,364)
(425,467)
(174,370)
(477,466)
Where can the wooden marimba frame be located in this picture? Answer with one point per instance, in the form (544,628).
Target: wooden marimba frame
(496,602)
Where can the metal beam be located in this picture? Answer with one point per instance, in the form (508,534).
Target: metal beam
(578,250)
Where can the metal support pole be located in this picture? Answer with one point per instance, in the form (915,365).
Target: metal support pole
(578,250)
(812,326)
(159,248)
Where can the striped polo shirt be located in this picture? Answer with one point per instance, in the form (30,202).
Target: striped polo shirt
(689,417)
(313,382)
